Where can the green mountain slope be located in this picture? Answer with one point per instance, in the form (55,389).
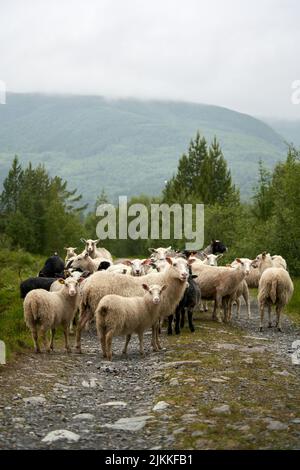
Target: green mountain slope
(288,129)
(126,146)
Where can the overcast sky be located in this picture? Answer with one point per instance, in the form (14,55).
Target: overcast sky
(242,54)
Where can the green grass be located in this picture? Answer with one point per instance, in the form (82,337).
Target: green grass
(12,327)
(293,308)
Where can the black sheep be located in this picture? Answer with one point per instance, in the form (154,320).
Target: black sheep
(35,283)
(53,267)
(189,301)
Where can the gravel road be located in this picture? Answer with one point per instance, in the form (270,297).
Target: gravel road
(82,398)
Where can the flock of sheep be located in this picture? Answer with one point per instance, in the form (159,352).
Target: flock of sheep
(128,297)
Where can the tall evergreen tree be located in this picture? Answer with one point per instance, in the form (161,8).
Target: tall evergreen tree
(202,176)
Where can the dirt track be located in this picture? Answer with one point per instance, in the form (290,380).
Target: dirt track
(249,373)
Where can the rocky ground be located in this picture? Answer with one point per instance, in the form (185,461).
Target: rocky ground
(222,387)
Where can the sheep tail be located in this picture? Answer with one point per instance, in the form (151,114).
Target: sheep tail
(273,290)
(103,311)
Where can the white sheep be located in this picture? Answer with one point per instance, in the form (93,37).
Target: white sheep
(103,283)
(275,288)
(279,262)
(121,316)
(94,251)
(86,263)
(218,284)
(44,311)
(135,267)
(70,253)
(159,254)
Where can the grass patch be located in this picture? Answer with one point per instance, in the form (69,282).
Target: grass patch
(14,264)
(293,308)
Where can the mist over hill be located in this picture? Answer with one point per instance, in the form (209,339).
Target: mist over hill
(127,146)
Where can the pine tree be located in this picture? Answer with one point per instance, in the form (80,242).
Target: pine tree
(202,176)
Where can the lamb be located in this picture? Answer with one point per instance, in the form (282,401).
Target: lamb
(242,291)
(121,316)
(44,311)
(35,283)
(219,284)
(160,253)
(138,267)
(275,288)
(86,263)
(103,283)
(189,302)
(70,253)
(95,252)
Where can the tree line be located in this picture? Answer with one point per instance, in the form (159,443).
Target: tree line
(41,215)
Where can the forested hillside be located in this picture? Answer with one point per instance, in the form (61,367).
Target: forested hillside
(127,146)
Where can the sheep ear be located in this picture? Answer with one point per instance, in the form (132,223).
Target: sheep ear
(61,280)
(169,248)
(96,241)
(169,260)
(194,276)
(147,261)
(83,240)
(191,261)
(80,280)
(145,287)
(220,256)
(163,287)
(238,260)
(127,262)
(152,250)
(264,254)
(86,255)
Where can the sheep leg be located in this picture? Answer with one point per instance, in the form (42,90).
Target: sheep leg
(44,340)
(52,339)
(230,306)
(190,319)
(126,344)
(170,320)
(35,340)
(81,324)
(102,336)
(141,340)
(238,308)
(153,340)
(177,319)
(109,337)
(182,320)
(247,302)
(157,337)
(218,303)
(270,313)
(278,318)
(225,310)
(262,314)
(66,334)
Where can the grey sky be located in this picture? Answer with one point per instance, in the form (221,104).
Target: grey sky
(242,54)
